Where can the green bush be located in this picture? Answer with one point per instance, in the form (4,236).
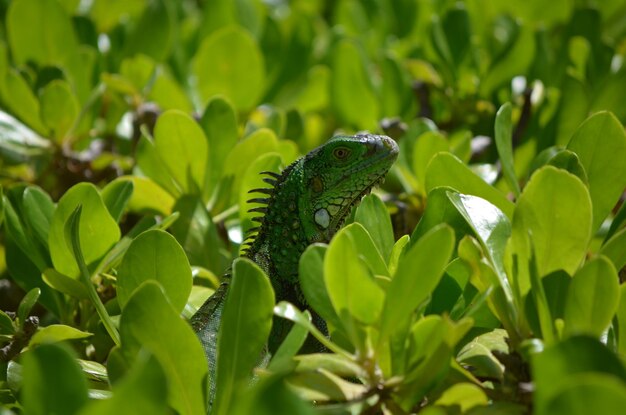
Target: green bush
(487,269)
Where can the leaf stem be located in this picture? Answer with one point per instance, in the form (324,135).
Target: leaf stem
(72,235)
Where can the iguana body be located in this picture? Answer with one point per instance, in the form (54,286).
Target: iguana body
(307,203)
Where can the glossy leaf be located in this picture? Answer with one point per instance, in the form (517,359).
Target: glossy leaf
(229,62)
(427,145)
(311,275)
(149,321)
(592,299)
(53,381)
(27,304)
(253,179)
(568,160)
(446,170)
(29,38)
(198,234)
(59,109)
(621,320)
(219,123)
(418,273)
(574,357)
(366,249)
(245,152)
(153,33)
(148,197)
(491,227)
(374,216)
(555,211)
(504,143)
(352,291)
(155,255)
(57,333)
(38,210)
(600,143)
(65,284)
(615,249)
(116,196)
(144,388)
(98,232)
(350,83)
(249,323)
(181,144)
(586,394)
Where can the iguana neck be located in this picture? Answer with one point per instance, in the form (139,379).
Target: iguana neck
(281,238)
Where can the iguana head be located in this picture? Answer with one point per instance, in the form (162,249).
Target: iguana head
(337,175)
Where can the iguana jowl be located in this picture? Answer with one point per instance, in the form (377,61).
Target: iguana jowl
(307,203)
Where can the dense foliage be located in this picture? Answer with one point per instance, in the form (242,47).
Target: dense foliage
(484,277)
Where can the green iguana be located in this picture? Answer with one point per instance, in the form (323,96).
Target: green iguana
(307,203)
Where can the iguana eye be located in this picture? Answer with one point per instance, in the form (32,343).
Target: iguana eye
(341,153)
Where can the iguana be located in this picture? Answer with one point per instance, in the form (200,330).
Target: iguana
(307,203)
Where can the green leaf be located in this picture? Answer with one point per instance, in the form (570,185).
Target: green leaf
(245,152)
(352,290)
(57,333)
(418,273)
(600,143)
(504,143)
(248,316)
(615,249)
(6,324)
(350,83)
(148,197)
(149,321)
(59,109)
(290,346)
(374,216)
(252,179)
(515,60)
(491,227)
(153,34)
(65,284)
(311,275)
(479,354)
(290,312)
(18,143)
(568,160)
(464,396)
(40,30)
(445,169)
(366,249)
(22,102)
(427,145)
(116,196)
(272,396)
(151,165)
(155,255)
(97,232)
(198,234)
(219,123)
(53,382)
(587,394)
(27,304)
(555,210)
(142,390)
(229,62)
(38,209)
(181,144)
(576,356)
(592,299)
(621,321)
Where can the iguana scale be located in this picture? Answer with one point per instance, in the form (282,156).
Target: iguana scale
(307,203)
